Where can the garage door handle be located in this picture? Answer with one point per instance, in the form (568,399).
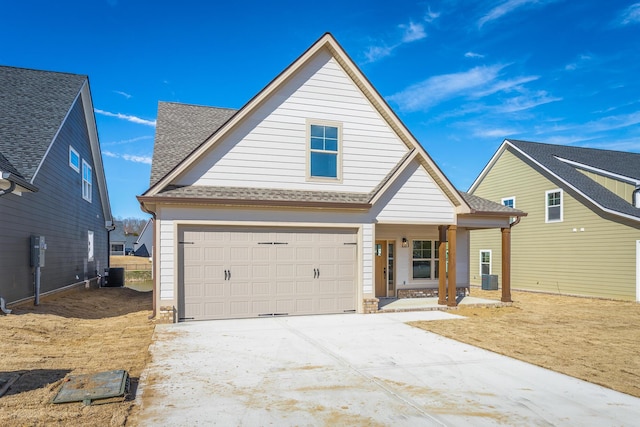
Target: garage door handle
(318,273)
(315,273)
(229,274)
(226,275)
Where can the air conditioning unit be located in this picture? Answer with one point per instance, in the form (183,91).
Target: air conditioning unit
(489,282)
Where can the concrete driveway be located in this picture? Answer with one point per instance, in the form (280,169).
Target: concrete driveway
(355,370)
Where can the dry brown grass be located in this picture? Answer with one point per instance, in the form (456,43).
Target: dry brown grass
(80,332)
(591,339)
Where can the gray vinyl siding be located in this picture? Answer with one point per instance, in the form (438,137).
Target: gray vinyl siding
(588,253)
(58,212)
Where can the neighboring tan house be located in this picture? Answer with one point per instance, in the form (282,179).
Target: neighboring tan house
(582,234)
(312,198)
(52,183)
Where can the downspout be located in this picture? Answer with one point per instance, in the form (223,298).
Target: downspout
(153,257)
(636,197)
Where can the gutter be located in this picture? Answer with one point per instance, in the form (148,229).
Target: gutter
(15,181)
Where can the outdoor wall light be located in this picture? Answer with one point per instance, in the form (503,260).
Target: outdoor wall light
(405,244)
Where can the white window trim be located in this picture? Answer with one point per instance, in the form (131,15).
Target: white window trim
(87,196)
(504,199)
(74,167)
(338,178)
(546,206)
(490,261)
(435,256)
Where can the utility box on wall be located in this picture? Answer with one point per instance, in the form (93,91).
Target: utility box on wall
(38,248)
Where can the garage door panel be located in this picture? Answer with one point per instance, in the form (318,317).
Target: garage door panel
(260,289)
(239,308)
(285,288)
(214,290)
(272,271)
(304,287)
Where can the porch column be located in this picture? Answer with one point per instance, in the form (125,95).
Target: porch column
(442,266)
(451,297)
(506,265)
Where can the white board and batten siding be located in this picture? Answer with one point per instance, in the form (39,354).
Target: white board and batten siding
(273,141)
(418,200)
(167,260)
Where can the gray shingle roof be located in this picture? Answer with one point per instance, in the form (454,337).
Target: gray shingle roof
(617,162)
(480,205)
(33,105)
(180,129)
(264,194)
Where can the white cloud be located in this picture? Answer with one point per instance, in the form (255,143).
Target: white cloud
(493,133)
(473,55)
(526,102)
(375,53)
(579,63)
(413,32)
(504,86)
(613,122)
(431,16)
(505,8)
(132,119)
(127,141)
(125,94)
(631,15)
(128,157)
(436,89)
(137,159)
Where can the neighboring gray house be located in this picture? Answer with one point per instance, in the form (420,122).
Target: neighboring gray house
(120,242)
(144,243)
(52,182)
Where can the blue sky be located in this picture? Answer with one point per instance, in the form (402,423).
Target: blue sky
(462,75)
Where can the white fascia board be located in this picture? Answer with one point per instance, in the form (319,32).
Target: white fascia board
(571,186)
(627,179)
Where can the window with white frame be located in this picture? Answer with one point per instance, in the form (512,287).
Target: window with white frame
(509,202)
(87,183)
(425,262)
(485,261)
(553,206)
(324,151)
(74,159)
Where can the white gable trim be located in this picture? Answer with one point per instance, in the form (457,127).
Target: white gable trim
(547,170)
(325,42)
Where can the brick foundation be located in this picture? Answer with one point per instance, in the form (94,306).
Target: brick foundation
(166,314)
(370,305)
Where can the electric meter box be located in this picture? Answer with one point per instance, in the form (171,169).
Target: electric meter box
(38,248)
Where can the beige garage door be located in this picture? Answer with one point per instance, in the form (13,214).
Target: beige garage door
(251,272)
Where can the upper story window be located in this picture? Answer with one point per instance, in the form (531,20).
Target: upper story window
(425,260)
(74,159)
(509,202)
(324,150)
(87,183)
(553,207)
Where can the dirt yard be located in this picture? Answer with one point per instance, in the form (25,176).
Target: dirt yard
(591,339)
(80,332)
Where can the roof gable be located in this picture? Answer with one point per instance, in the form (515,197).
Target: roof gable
(33,106)
(325,44)
(564,164)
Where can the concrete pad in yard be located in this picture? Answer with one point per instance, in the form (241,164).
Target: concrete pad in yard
(371,370)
